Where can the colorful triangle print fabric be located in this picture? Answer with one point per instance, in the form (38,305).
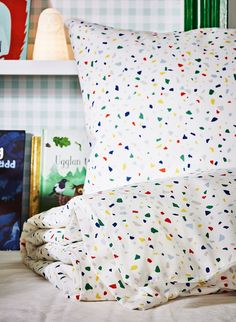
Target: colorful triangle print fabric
(156,105)
(142,244)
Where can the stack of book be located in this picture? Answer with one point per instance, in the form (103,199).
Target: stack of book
(57,173)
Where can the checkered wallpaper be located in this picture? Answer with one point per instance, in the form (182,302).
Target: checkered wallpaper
(34,102)
(153,15)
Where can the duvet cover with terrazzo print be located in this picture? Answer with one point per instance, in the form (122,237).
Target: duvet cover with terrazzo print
(141,244)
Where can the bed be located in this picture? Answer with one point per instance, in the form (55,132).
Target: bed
(193,199)
(25,297)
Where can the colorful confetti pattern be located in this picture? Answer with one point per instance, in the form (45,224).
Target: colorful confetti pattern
(156,105)
(144,244)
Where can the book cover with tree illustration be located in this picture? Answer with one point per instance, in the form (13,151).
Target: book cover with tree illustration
(12,150)
(63,166)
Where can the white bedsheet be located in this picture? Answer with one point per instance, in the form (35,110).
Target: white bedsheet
(19,302)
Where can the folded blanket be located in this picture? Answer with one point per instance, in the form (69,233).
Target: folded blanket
(52,251)
(48,252)
(147,243)
(54,235)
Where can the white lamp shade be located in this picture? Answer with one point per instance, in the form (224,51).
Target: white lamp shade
(50,41)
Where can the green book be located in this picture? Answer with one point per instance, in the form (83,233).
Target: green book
(215,13)
(190,14)
(63,166)
(211,13)
(205,21)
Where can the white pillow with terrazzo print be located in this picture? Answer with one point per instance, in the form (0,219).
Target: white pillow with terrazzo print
(156,104)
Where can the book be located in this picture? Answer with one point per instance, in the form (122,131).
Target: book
(63,166)
(205,14)
(12,150)
(14,28)
(35,175)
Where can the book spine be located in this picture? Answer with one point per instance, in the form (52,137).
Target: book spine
(212,13)
(205,20)
(190,14)
(215,13)
(35,176)
(41,175)
(223,15)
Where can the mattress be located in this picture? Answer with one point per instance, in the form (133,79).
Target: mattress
(22,298)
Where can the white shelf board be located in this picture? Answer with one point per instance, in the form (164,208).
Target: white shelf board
(37,67)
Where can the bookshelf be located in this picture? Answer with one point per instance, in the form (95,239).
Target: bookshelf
(37,67)
(35,95)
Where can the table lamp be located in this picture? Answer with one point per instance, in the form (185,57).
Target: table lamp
(50,41)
